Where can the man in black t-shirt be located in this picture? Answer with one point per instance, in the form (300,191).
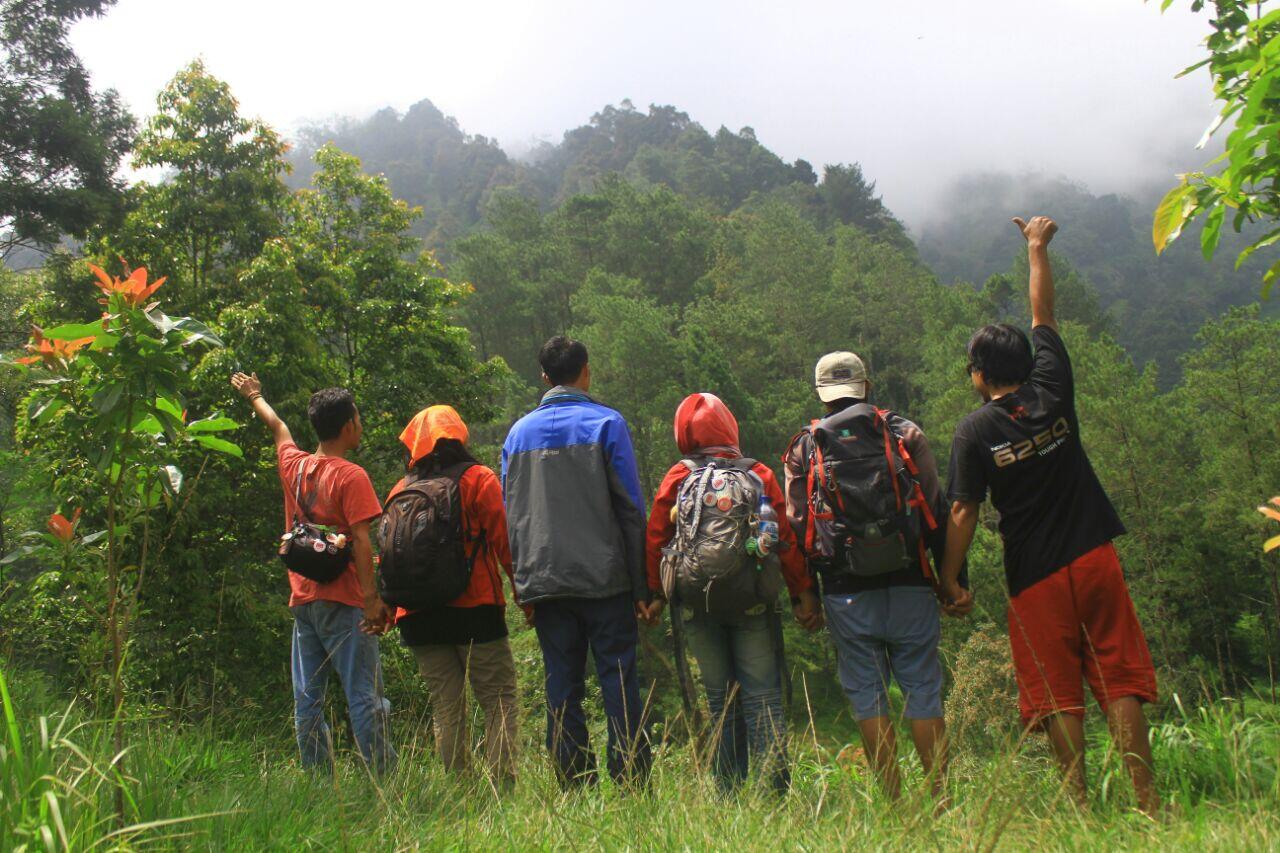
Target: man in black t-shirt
(1070,614)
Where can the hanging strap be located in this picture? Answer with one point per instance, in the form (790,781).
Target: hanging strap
(298,511)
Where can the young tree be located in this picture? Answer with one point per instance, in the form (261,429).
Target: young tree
(110,397)
(379,307)
(221,198)
(61,143)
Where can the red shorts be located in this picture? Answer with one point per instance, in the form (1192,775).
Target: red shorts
(1078,622)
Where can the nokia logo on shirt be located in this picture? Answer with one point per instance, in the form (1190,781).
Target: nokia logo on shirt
(1041,445)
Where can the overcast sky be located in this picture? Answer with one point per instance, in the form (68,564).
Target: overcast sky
(918,92)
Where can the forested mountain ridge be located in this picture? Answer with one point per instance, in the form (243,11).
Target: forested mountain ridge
(432,163)
(1153,304)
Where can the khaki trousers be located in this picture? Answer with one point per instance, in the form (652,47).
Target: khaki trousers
(492,673)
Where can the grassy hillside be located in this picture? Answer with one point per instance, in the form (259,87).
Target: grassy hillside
(237,787)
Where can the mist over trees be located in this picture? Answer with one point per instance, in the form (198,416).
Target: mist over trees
(432,163)
(1154,305)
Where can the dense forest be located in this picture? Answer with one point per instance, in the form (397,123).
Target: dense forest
(415,263)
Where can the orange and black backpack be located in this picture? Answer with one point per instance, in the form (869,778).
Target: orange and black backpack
(867,514)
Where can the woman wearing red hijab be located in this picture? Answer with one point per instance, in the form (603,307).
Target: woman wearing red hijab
(465,639)
(737,654)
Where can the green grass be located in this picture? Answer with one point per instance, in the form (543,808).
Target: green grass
(195,786)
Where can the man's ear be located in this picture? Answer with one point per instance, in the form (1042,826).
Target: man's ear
(547,380)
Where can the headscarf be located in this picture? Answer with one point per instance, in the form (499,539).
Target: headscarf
(429,426)
(705,426)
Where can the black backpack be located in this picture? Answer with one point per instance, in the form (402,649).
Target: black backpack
(868,513)
(423,542)
(311,550)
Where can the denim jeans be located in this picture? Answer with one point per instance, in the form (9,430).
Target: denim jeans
(566,628)
(739,664)
(327,637)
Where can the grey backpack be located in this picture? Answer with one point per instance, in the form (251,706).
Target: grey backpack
(707,566)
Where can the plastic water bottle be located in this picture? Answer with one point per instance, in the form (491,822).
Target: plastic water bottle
(767,527)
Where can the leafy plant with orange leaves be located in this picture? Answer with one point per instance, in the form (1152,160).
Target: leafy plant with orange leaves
(112,389)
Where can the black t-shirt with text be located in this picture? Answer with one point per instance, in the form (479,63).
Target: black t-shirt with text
(1025,448)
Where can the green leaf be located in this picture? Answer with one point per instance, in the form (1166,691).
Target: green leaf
(149,494)
(1212,232)
(1269,280)
(1261,243)
(219,445)
(89,539)
(74,331)
(212,425)
(107,397)
(42,413)
(1172,213)
(171,478)
(25,550)
(169,407)
(147,425)
(194,329)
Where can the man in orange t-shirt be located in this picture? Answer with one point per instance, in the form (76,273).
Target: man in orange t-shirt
(336,624)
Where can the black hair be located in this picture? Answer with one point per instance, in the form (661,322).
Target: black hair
(842,403)
(1001,353)
(563,359)
(329,411)
(447,453)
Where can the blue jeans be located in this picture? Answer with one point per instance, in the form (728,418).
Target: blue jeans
(327,637)
(739,664)
(566,628)
(888,632)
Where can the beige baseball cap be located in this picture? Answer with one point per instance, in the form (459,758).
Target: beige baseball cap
(839,375)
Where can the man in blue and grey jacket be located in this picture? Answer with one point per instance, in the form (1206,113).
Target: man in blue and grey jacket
(575,516)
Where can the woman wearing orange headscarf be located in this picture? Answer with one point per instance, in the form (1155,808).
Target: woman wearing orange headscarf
(465,639)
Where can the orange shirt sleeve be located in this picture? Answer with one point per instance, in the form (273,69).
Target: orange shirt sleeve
(794,568)
(489,514)
(660,527)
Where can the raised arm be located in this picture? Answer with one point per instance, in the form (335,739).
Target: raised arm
(251,389)
(1038,232)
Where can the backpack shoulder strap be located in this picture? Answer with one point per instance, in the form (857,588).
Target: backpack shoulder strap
(299,512)
(455,472)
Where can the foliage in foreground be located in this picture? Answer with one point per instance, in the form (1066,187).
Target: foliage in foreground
(1243,52)
(206,787)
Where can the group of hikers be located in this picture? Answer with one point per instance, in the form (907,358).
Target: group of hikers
(860,533)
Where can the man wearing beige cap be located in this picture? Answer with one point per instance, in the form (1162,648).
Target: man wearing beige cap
(863,497)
